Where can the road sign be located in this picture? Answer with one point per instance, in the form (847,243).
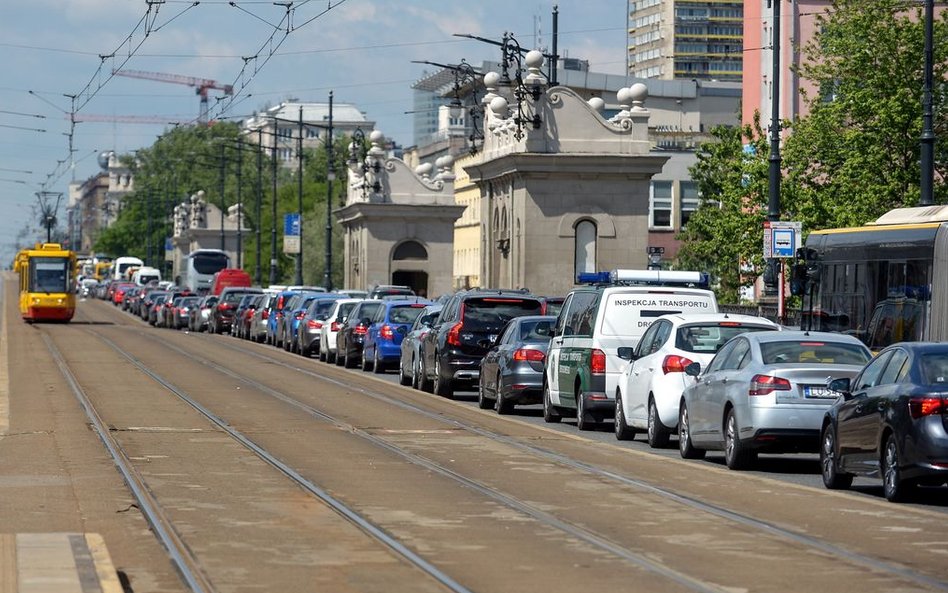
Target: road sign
(782,239)
(291,233)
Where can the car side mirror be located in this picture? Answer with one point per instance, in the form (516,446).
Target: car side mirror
(843,386)
(693,369)
(626,353)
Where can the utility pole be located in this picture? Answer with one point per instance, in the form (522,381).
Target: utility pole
(926,186)
(148,226)
(273,205)
(223,245)
(299,177)
(330,176)
(240,236)
(773,276)
(258,276)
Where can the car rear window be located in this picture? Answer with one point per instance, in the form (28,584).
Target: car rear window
(321,308)
(935,368)
(405,313)
(813,352)
(492,313)
(709,337)
(537,330)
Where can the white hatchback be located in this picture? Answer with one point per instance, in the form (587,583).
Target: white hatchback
(649,387)
(327,335)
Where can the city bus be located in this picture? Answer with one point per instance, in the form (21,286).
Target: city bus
(46,276)
(199,267)
(884,282)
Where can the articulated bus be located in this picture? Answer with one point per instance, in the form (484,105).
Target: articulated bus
(46,282)
(884,282)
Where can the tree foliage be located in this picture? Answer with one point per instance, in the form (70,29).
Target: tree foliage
(185,160)
(726,231)
(856,155)
(852,158)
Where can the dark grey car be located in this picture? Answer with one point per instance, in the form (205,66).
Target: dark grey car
(512,370)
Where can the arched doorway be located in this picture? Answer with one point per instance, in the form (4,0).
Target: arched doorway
(410,266)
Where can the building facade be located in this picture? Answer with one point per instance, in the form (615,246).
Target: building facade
(283,125)
(685,39)
(94,204)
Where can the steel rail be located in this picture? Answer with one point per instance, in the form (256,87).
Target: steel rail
(334,503)
(875,564)
(184,561)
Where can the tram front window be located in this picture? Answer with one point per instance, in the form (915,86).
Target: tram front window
(50,275)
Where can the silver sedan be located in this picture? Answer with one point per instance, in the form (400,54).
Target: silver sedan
(765,392)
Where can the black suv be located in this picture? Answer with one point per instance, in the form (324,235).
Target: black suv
(222,313)
(451,352)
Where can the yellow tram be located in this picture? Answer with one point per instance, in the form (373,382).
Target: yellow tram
(47,276)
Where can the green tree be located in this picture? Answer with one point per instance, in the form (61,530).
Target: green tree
(724,236)
(856,155)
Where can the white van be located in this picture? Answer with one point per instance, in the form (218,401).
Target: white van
(143,276)
(582,365)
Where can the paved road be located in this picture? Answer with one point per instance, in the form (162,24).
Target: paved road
(271,472)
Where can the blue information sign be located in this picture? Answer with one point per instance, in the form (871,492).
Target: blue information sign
(291,224)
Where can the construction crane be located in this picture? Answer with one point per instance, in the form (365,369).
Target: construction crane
(202,85)
(128,119)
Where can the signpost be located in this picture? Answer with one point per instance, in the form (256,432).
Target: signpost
(291,233)
(781,241)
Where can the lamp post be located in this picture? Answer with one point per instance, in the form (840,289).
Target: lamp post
(299,178)
(273,206)
(330,177)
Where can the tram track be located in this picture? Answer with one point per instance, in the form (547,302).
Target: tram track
(875,564)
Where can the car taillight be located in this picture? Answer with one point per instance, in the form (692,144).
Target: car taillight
(314,324)
(300,315)
(360,330)
(454,335)
(334,326)
(597,363)
(926,406)
(675,364)
(386,332)
(524,354)
(766,384)
(223,307)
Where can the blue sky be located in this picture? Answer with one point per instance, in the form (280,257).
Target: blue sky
(51,59)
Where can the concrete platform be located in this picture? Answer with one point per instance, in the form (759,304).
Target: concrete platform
(56,563)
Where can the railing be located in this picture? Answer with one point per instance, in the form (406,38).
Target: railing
(791,316)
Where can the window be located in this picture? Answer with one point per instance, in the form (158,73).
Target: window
(895,370)
(735,359)
(660,204)
(581,311)
(690,200)
(870,376)
(585,247)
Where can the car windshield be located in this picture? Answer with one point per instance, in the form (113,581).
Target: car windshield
(405,313)
(483,314)
(208,263)
(709,337)
(935,368)
(813,352)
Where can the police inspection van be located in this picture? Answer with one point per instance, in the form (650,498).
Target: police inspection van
(582,365)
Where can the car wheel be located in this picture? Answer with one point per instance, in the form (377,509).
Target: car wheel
(322,353)
(442,386)
(893,486)
(378,367)
(483,402)
(624,432)
(736,455)
(833,479)
(415,374)
(550,413)
(658,433)
(685,447)
(583,421)
(503,405)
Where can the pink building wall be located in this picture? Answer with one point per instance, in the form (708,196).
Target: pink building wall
(797,28)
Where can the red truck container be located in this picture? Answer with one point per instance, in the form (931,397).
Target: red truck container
(229,277)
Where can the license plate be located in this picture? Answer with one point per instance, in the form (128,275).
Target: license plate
(816,391)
